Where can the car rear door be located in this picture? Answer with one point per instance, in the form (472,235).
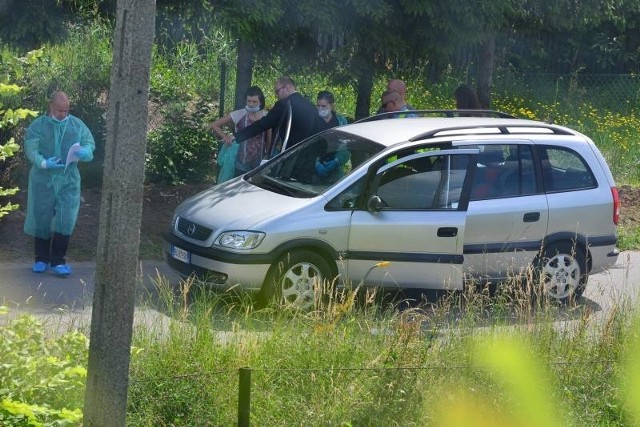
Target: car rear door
(508,213)
(413,216)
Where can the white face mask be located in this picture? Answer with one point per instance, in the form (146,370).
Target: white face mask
(324,113)
(252,109)
(58,120)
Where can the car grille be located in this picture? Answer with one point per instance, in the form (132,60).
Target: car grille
(193,230)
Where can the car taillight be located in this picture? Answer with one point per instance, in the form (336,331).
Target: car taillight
(616,205)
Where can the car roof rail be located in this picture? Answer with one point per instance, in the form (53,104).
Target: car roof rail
(493,129)
(438,113)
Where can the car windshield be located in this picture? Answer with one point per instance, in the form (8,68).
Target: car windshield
(311,167)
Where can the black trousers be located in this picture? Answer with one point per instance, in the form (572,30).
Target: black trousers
(52,251)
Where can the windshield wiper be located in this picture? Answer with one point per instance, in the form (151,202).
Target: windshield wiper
(271,184)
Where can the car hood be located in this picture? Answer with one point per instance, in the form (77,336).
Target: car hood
(237,205)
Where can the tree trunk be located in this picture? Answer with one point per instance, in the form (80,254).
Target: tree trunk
(363,89)
(244,71)
(485,71)
(120,216)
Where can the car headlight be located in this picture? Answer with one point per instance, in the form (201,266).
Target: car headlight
(240,239)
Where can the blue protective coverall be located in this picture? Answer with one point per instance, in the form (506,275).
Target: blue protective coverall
(54,194)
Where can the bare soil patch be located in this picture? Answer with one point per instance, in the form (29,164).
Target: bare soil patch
(157,209)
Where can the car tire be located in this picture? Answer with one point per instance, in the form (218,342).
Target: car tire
(295,279)
(562,272)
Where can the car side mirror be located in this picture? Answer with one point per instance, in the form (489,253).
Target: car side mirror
(375,203)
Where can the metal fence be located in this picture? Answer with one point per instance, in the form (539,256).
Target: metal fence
(612,91)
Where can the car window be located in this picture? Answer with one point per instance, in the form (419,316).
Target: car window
(348,199)
(503,170)
(417,182)
(564,170)
(310,168)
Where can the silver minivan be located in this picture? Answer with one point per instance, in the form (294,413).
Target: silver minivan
(425,202)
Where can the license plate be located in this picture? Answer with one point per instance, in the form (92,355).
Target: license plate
(180,254)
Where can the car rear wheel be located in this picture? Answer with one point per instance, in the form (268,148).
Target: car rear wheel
(295,280)
(563,273)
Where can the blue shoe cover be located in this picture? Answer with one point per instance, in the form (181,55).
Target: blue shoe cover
(61,270)
(40,267)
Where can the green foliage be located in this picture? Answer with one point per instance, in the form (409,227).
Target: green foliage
(9,118)
(25,25)
(41,380)
(628,237)
(465,360)
(81,68)
(182,150)
(630,376)
(190,70)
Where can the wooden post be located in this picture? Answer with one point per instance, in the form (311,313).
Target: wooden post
(223,86)
(120,216)
(244,397)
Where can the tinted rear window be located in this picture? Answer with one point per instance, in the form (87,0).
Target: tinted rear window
(565,170)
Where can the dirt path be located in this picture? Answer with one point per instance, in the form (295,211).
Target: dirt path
(158,206)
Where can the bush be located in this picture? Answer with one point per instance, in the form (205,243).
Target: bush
(41,380)
(181,151)
(9,117)
(81,68)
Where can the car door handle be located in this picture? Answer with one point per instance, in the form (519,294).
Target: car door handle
(531,217)
(447,231)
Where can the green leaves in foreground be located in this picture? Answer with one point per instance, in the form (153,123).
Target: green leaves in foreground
(527,395)
(511,364)
(10,117)
(632,389)
(41,379)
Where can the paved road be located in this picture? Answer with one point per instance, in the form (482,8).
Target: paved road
(20,289)
(619,285)
(64,303)
(46,294)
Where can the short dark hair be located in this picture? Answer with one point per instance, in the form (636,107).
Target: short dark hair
(286,80)
(256,91)
(327,96)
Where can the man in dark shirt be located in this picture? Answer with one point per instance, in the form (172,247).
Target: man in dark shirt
(293,118)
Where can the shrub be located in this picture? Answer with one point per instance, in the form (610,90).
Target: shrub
(41,380)
(9,117)
(181,151)
(81,68)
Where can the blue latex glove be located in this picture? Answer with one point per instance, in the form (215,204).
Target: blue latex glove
(324,168)
(320,169)
(53,163)
(331,164)
(83,154)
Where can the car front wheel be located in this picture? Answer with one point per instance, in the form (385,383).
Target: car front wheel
(563,272)
(295,280)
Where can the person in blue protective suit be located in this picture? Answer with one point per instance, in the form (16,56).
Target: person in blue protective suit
(54,182)
(333,165)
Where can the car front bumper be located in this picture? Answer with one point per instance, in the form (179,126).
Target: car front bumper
(217,267)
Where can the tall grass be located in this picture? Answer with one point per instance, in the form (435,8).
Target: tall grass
(478,357)
(351,363)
